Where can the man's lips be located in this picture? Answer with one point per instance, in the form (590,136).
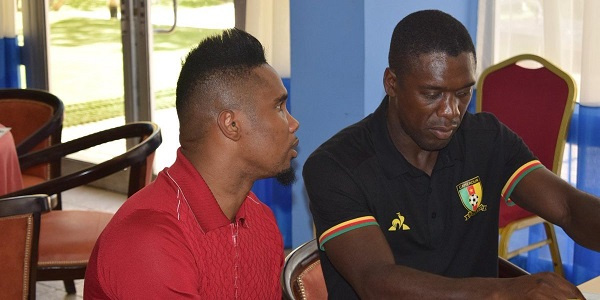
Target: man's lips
(442,132)
(294,145)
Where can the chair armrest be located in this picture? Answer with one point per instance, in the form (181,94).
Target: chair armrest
(56,152)
(27,204)
(135,157)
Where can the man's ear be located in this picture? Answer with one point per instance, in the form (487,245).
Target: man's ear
(228,125)
(389,82)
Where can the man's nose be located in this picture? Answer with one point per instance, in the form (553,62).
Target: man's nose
(294,124)
(449,106)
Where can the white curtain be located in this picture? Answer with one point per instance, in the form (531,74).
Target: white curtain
(566,32)
(590,54)
(9,50)
(269,22)
(8,10)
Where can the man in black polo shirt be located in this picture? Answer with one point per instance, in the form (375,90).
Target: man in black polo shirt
(398,198)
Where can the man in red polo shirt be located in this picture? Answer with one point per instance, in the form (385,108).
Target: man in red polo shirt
(198,231)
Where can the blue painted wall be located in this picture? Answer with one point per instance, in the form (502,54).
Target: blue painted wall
(327,66)
(381,17)
(338,55)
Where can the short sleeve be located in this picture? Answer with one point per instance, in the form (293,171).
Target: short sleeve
(336,202)
(519,161)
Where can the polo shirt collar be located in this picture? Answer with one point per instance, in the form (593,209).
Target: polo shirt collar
(392,161)
(200,198)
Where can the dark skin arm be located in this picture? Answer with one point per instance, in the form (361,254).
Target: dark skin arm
(547,195)
(376,276)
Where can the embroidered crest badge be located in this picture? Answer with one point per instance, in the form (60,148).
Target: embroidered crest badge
(471,196)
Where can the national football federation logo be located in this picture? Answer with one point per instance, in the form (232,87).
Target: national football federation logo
(471,195)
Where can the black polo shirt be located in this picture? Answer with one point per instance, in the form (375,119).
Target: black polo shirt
(445,224)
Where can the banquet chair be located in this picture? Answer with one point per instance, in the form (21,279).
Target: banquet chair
(302,276)
(36,120)
(68,236)
(537,104)
(20,224)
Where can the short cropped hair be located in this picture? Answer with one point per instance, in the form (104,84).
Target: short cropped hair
(426,32)
(212,70)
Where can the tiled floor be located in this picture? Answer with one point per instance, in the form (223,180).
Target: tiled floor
(82,198)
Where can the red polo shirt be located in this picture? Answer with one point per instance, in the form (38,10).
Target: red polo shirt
(171,240)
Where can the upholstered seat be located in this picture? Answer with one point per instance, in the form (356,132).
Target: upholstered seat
(69,227)
(36,119)
(20,227)
(310,283)
(31,180)
(302,276)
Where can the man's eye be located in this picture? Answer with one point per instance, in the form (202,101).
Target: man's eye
(466,93)
(432,96)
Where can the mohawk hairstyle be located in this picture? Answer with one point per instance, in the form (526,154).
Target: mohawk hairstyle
(216,63)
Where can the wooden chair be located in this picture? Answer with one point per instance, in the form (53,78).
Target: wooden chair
(20,224)
(537,104)
(302,276)
(68,236)
(36,120)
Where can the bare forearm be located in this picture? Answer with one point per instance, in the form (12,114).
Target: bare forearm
(376,276)
(547,195)
(583,223)
(398,282)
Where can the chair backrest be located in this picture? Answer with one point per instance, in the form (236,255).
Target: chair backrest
(138,159)
(36,119)
(302,277)
(536,103)
(19,235)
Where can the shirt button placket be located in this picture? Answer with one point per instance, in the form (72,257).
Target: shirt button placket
(236,259)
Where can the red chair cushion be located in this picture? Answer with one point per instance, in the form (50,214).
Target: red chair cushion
(67,237)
